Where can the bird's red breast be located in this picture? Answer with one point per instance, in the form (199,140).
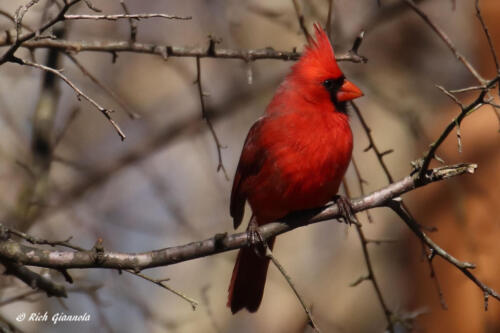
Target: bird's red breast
(295,156)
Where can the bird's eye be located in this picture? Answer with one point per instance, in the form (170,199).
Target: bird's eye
(333,84)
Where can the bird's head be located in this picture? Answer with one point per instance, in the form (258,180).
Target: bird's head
(318,76)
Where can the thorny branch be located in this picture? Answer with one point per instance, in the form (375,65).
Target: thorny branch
(19,39)
(132,23)
(423,164)
(124,16)
(131,113)
(29,255)
(301,19)
(219,146)
(371,275)
(288,279)
(79,92)
(446,40)
(464,267)
(380,155)
(488,37)
(32,279)
(165,51)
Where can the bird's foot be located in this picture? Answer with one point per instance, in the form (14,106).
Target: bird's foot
(345,209)
(255,238)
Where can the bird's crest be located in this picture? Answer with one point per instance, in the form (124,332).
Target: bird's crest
(318,60)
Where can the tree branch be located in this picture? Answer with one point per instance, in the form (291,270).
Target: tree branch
(114,17)
(34,280)
(29,255)
(423,164)
(164,51)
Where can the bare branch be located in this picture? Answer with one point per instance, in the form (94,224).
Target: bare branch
(328,25)
(13,20)
(22,296)
(161,283)
(79,92)
(288,279)
(20,39)
(219,146)
(164,51)
(450,95)
(488,37)
(132,23)
(29,255)
(91,6)
(371,275)
(473,88)
(34,280)
(372,144)
(115,17)
(446,40)
(361,183)
(462,266)
(300,18)
(423,164)
(131,113)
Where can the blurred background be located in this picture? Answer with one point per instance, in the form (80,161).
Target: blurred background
(160,187)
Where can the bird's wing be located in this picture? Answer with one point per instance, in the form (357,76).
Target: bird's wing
(251,160)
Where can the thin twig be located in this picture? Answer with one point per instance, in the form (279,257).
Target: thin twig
(434,277)
(371,275)
(79,92)
(288,279)
(300,18)
(20,39)
(19,297)
(40,241)
(361,183)
(91,6)
(33,280)
(472,88)
(446,40)
(131,113)
(204,114)
(132,23)
(450,95)
(72,116)
(464,267)
(328,26)
(381,241)
(208,308)
(372,145)
(423,164)
(20,12)
(13,20)
(488,37)
(161,283)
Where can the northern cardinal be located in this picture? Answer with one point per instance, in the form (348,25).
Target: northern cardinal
(294,157)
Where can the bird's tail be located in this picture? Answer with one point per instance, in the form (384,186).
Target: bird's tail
(248,280)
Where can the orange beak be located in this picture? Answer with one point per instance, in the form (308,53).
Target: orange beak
(348,91)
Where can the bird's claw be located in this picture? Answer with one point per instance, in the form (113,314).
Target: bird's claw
(345,209)
(255,239)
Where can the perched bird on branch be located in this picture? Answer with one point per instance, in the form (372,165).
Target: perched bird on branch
(294,158)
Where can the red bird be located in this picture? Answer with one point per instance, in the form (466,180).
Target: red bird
(294,157)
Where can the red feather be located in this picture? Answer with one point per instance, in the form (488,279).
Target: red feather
(294,157)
